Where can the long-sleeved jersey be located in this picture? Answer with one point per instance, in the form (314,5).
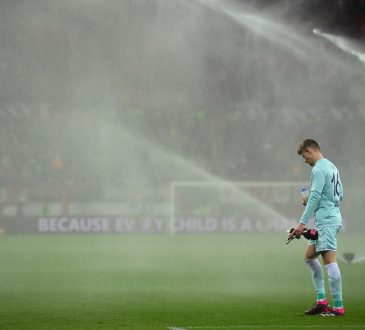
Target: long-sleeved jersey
(325,195)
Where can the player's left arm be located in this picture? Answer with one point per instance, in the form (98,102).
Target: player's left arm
(318,178)
(318,181)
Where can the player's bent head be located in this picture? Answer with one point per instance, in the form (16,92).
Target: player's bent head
(308,144)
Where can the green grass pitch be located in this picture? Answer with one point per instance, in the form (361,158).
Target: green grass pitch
(167,282)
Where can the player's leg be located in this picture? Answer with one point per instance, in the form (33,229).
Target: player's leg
(334,274)
(316,271)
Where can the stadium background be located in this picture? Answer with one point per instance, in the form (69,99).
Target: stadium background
(110,103)
(109,108)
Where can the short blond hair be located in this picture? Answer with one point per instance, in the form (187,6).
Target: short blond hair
(308,144)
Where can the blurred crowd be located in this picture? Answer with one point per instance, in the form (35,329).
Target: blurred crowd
(50,155)
(36,156)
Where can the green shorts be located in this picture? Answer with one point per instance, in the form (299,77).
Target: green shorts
(326,238)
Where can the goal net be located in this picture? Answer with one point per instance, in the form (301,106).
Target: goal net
(222,206)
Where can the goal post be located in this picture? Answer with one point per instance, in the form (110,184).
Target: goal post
(216,206)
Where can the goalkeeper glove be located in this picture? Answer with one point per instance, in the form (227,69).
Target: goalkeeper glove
(290,236)
(310,234)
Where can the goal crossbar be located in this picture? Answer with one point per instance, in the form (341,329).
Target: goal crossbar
(234,185)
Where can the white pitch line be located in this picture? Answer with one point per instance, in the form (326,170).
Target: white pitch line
(265,326)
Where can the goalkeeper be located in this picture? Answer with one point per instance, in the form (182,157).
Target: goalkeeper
(323,203)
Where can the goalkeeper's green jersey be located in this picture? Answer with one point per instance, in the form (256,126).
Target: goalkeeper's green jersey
(325,195)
